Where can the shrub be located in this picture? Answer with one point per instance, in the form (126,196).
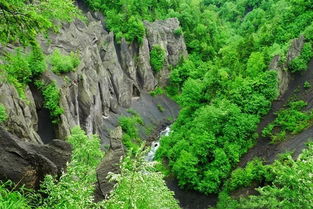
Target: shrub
(289,120)
(76,187)
(130,131)
(63,63)
(157,58)
(51,95)
(306,85)
(17,67)
(157,91)
(160,108)
(178,32)
(36,61)
(3,114)
(300,63)
(254,171)
(22,68)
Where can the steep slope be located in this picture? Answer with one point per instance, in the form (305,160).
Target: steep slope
(111,78)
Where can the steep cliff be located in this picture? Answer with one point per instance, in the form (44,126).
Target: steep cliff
(111,78)
(281,66)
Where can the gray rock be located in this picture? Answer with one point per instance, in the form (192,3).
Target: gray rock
(109,164)
(282,67)
(111,78)
(162,33)
(22,118)
(111,75)
(27,163)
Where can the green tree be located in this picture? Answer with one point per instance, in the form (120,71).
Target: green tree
(139,185)
(157,58)
(21,20)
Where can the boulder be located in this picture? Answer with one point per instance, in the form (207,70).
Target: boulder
(109,164)
(27,163)
(283,74)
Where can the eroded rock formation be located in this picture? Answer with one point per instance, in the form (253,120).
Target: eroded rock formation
(28,163)
(111,78)
(281,67)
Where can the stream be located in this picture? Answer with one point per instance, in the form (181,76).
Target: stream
(188,199)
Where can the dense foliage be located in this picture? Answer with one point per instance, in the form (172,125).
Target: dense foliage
(225,86)
(125,18)
(21,21)
(62,63)
(21,68)
(76,187)
(289,184)
(290,120)
(140,186)
(157,58)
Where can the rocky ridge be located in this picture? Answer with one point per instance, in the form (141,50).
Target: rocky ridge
(111,78)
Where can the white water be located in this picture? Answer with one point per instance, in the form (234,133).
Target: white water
(156,144)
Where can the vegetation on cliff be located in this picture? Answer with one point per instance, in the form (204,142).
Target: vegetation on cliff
(21,21)
(62,63)
(51,95)
(224,88)
(3,114)
(157,58)
(21,68)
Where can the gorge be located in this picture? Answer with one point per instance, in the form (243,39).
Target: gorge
(156,104)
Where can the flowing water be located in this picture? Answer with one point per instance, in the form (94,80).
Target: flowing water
(188,199)
(156,144)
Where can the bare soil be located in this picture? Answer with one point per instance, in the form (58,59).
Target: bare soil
(296,143)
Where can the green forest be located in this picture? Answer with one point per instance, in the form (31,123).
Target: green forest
(224,88)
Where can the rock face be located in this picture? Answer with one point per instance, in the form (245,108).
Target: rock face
(22,118)
(282,68)
(27,163)
(111,78)
(110,75)
(109,164)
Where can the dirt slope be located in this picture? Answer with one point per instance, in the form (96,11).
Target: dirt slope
(263,148)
